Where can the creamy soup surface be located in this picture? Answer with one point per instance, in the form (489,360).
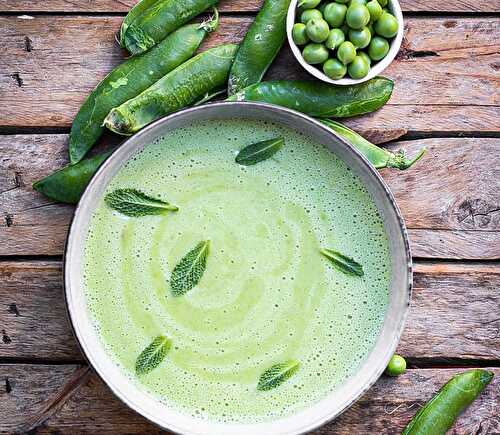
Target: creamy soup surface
(267,294)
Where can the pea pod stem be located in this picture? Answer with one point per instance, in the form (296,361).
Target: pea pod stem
(378,157)
(437,416)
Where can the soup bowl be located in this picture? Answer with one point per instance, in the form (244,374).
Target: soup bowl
(338,399)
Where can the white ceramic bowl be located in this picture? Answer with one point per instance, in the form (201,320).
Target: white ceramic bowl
(328,407)
(380,66)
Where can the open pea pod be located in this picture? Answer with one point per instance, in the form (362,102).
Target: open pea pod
(321,100)
(67,184)
(378,157)
(129,79)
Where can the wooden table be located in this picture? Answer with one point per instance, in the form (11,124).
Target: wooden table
(53,52)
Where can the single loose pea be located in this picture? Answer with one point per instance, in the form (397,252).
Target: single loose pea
(299,34)
(365,57)
(310,14)
(346,52)
(378,48)
(396,366)
(315,53)
(375,10)
(308,4)
(357,16)
(383,3)
(360,38)
(358,68)
(334,69)
(386,26)
(317,30)
(335,38)
(335,14)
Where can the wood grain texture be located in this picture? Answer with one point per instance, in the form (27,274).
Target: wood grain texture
(79,402)
(442,83)
(454,312)
(450,199)
(468,6)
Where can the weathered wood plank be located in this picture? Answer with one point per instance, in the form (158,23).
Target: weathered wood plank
(450,199)
(454,312)
(123,6)
(442,83)
(68,399)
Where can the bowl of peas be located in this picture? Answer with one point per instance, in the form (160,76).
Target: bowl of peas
(345,41)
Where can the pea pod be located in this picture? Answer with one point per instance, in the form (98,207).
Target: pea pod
(68,183)
(439,414)
(153,22)
(378,157)
(260,45)
(183,86)
(135,12)
(320,99)
(129,79)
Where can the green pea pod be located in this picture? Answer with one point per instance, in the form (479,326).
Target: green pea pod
(437,416)
(128,80)
(320,99)
(157,20)
(184,86)
(378,157)
(260,45)
(67,184)
(135,12)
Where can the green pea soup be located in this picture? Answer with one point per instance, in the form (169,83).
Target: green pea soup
(267,294)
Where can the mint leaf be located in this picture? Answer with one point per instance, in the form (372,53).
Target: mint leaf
(152,355)
(277,374)
(257,152)
(343,263)
(134,203)
(190,269)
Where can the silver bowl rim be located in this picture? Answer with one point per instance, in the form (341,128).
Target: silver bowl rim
(265,106)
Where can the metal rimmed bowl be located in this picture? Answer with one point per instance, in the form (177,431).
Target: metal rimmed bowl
(394,8)
(309,418)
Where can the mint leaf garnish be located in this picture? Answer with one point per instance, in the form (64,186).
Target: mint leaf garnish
(343,263)
(152,355)
(190,269)
(134,203)
(257,152)
(277,374)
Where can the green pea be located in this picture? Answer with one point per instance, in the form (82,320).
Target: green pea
(299,34)
(315,53)
(346,52)
(308,4)
(334,69)
(310,14)
(360,38)
(365,57)
(317,30)
(383,3)
(396,366)
(386,26)
(357,16)
(335,14)
(378,48)
(375,9)
(335,38)
(358,68)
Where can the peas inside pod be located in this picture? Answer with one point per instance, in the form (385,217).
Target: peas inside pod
(344,37)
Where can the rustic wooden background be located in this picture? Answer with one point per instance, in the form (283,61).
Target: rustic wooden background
(53,52)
